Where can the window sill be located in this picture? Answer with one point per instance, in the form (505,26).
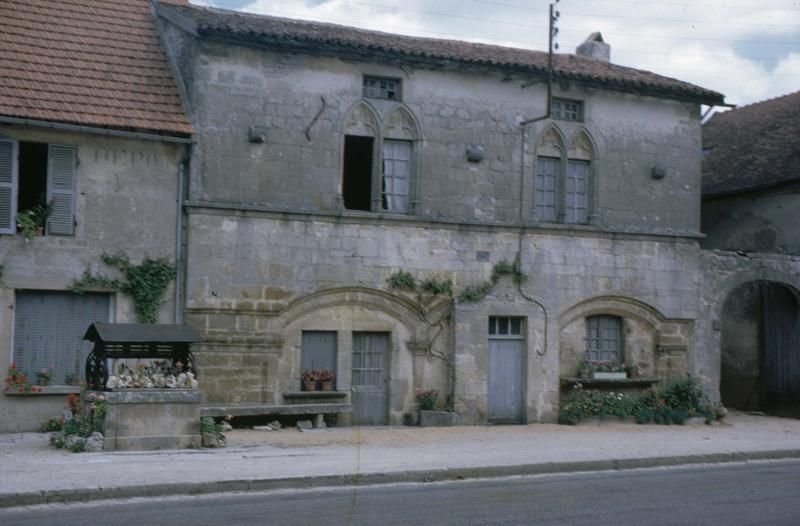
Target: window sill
(48,390)
(620,382)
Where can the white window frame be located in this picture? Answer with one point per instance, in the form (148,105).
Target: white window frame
(396,161)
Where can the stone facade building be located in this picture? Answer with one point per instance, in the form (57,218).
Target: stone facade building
(333,162)
(94,128)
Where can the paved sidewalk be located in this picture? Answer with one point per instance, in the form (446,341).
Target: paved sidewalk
(31,472)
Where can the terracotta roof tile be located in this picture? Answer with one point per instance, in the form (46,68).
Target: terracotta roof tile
(88,62)
(297,33)
(753,146)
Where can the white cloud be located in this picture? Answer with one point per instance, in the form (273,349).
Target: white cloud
(712,43)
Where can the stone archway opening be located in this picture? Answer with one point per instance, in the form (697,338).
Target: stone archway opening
(761,349)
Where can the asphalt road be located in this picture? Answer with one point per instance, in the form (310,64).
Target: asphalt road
(754,493)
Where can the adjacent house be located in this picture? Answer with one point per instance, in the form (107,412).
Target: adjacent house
(93,137)
(751,195)
(419,214)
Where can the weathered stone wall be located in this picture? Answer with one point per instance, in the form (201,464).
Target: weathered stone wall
(244,301)
(753,222)
(723,274)
(125,202)
(234,87)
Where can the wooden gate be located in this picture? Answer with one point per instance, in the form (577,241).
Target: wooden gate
(369,378)
(506,368)
(780,347)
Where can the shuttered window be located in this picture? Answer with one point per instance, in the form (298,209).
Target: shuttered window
(547,169)
(396,175)
(318,351)
(8,186)
(49,328)
(24,185)
(61,190)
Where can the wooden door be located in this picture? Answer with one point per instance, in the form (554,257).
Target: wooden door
(369,378)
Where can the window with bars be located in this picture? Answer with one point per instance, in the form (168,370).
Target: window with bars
(505,326)
(567,110)
(382,88)
(604,338)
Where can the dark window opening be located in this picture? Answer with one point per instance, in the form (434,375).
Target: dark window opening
(357,177)
(32,190)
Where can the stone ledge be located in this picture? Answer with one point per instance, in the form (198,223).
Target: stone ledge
(151,396)
(619,382)
(49,390)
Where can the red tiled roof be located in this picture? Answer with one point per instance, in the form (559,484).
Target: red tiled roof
(88,62)
(753,146)
(298,33)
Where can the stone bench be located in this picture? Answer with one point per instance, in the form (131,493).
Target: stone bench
(315,409)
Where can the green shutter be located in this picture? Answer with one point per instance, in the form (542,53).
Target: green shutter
(8,186)
(61,190)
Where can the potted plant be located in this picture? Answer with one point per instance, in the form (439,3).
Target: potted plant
(43,376)
(427,400)
(585,369)
(326,377)
(632,370)
(31,222)
(309,379)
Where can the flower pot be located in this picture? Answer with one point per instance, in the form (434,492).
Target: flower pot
(609,376)
(584,373)
(309,386)
(326,386)
(42,381)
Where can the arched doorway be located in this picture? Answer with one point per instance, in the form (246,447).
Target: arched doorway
(761,349)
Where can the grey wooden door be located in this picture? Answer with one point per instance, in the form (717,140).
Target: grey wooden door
(780,351)
(369,378)
(506,368)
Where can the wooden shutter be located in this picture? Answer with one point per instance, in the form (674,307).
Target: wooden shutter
(8,186)
(49,328)
(61,190)
(318,350)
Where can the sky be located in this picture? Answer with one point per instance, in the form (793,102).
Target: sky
(747,50)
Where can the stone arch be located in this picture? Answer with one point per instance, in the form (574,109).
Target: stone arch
(760,273)
(350,313)
(401,124)
(582,146)
(656,344)
(361,120)
(550,142)
(760,347)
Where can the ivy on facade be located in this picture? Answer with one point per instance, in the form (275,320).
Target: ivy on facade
(145,282)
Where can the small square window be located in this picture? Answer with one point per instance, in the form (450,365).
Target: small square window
(567,110)
(380,88)
(505,326)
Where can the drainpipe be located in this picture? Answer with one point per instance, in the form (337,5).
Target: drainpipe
(179,239)
(523,129)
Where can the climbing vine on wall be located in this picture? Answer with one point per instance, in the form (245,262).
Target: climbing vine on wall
(477,292)
(403,280)
(145,282)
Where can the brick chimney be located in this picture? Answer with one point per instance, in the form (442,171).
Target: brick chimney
(594,47)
